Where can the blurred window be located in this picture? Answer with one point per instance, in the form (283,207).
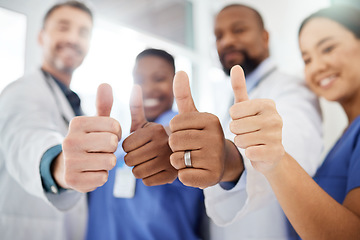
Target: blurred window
(12,46)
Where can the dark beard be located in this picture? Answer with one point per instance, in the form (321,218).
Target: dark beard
(248,65)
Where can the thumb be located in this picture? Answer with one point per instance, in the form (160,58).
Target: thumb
(182,93)
(137,109)
(104,100)
(238,84)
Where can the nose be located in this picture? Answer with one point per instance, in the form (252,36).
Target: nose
(228,39)
(318,65)
(147,87)
(73,37)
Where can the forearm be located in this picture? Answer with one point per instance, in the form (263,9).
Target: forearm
(311,211)
(234,165)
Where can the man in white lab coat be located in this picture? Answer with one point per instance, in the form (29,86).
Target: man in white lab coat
(248,209)
(37,197)
(242,205)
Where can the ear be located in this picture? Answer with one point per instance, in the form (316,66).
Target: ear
(265,36)
(40,37)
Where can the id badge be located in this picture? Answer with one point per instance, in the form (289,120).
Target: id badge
(124,186)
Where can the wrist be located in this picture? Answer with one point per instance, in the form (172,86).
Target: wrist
(57,170)
(276,171)
(234,165)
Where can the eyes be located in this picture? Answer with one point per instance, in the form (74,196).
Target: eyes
(65,27)
(159,79)
(324,50)
(328,49)
(237,30)
(154,79)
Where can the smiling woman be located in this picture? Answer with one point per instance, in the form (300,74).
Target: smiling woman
(332,56)
(326,207)
(154,72)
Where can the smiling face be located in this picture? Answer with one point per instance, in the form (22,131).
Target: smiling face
(65,39)
(331,54)
(240,38)
(155,76)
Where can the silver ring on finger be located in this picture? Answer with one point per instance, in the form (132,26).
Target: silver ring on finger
(187,158)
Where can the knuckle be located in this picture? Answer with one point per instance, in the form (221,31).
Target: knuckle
(173,161)
(232,111)
(147,182)
(173,124)
(171,179)
(233,126)
(172,141)
(112,161)
(168,176)
(275,121)
(115,127)
(70,180)
(239,141)
(125,145)
(184,179)
(67,143)
(136,172)
(73,123)
(269,103)
(212,118)
(77,122)
(70,142)
(158,127)
(104,178)
(127,160)
(113,142)
(216,178)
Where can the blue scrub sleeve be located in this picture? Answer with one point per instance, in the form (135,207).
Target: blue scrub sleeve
(354,168)
(47,179)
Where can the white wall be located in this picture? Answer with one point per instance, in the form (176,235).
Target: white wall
(34,10)
(282,19)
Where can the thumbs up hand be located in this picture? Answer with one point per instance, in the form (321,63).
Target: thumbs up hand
(257,125)
(88,148)
(147,148)
(197,140)
(138,119)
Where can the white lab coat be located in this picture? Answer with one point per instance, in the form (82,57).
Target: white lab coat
(31,122)
(250,209)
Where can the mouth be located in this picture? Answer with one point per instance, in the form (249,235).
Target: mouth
(232,56)
(151,102)
(69,50)
(326,82)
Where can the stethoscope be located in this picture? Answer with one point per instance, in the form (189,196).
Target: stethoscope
(48,77)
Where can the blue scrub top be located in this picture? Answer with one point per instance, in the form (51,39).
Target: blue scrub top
(340,172)
(170,211)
